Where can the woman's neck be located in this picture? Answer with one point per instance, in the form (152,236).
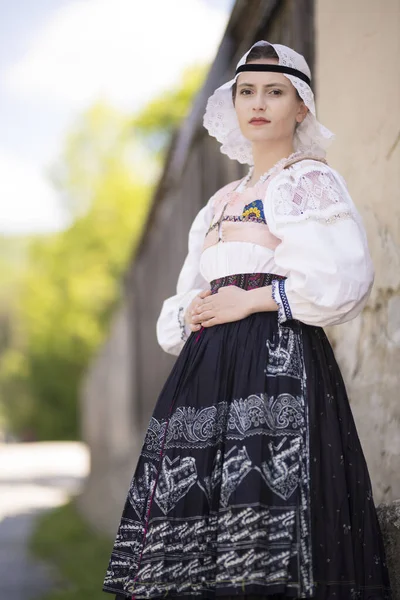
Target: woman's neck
(265,157)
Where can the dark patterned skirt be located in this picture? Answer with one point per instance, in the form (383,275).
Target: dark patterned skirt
(251,481)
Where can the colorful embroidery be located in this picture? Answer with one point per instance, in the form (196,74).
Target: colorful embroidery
(240,218)
(254,211)
(247,281)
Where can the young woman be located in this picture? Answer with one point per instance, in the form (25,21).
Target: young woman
(252,481)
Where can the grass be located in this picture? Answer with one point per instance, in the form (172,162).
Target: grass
(64,540)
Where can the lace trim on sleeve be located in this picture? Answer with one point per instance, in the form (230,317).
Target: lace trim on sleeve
(279,295)
(314,194)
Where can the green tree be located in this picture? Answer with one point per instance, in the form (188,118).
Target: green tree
(71,282)
(155,124)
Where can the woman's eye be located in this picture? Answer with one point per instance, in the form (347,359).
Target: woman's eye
(275,92)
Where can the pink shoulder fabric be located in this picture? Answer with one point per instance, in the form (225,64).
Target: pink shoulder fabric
(220,194)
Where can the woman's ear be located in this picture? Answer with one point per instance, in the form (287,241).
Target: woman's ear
(302,112)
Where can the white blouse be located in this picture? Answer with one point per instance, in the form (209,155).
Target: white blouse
(322,251)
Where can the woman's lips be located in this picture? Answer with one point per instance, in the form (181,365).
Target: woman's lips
(259,122)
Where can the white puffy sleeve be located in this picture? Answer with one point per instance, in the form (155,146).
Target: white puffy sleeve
(172,331)
(323,250)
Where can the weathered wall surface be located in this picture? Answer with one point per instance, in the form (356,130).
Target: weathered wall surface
(358,91)
(110,427)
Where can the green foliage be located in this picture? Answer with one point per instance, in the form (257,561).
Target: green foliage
(63,288)
(158,120)
(73,279)
(80,555)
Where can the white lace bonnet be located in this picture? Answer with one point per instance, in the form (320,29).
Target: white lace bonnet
(221,121)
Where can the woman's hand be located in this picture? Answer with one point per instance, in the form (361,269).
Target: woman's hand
(231,303)
(191,309)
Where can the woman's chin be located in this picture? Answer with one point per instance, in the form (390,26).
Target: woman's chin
(259,137)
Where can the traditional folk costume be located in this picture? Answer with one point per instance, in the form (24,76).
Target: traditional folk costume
(252,481)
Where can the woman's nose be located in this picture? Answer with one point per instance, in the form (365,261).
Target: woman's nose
(259,102)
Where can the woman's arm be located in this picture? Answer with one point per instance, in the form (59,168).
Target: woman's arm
(172,327)
(261,300)
(323,247)
(232,303)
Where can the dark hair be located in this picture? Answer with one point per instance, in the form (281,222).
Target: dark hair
(255,54)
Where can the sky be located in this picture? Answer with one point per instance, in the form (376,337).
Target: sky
(58,57)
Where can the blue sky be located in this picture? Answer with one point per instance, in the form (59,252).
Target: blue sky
(57,57)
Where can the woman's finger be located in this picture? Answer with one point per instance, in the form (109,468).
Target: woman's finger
(210,322)
(195,318)
(206,315)
(206,303)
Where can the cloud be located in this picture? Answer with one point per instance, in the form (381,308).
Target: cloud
(27,202)
(120,50)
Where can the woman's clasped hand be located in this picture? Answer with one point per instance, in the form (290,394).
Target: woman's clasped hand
(230,303)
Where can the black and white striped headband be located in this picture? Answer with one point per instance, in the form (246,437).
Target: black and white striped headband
(275,69)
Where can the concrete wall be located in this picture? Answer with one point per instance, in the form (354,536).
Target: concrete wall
(110,427)
(358,98)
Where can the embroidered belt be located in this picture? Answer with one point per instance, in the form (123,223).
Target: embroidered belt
(247,281)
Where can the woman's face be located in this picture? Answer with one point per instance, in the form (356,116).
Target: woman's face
(271,98)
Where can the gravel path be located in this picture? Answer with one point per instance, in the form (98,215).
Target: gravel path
(33,478)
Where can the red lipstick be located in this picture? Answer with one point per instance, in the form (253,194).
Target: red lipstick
(259,121)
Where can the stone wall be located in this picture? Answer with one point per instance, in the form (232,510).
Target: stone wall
(358,88)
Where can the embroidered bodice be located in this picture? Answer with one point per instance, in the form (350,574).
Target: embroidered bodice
(300,223)
(238,212)
(240,217)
